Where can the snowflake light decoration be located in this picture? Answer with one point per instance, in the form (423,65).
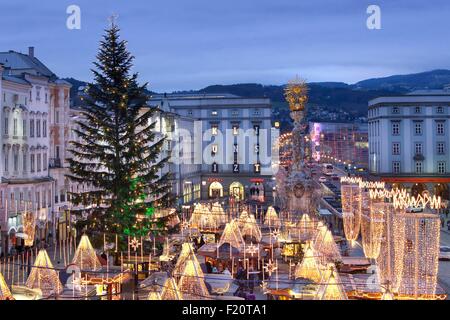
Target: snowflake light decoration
(270,267)
(275,233)
(251,249)
(135,244)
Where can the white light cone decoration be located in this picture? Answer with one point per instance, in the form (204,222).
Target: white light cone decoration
(310,267)
(192,282)
(251,228)
(232,235)
(43,276)
(325,245)
(85,256)
(5,293)
(351,203)
(171,291)
(271,218)
(331,287)
(306,226)
(242,218)
(219,214)
(372,225)
(199,211)
(187,253)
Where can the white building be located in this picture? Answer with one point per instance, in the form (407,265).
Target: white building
(29,92)
(231,145)
(409,140)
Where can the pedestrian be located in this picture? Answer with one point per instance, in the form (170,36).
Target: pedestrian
(448,225)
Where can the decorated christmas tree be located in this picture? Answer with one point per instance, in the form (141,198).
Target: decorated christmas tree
(43,276)
(5,294)
(117,156)
(85,256)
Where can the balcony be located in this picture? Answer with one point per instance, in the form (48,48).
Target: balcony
(54,163)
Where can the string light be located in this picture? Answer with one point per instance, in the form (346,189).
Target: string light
(271,218)
(351,212)
(310,266)
(43,276)
(85,256)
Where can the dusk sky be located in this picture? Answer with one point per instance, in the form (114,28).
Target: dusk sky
(192,44)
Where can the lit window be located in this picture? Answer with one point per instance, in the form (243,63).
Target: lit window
(214,113)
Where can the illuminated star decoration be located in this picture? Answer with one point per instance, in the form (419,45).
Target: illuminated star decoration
(135,244)
(270,267)
(185,225)
(275,233)
(251,249)
(263,286)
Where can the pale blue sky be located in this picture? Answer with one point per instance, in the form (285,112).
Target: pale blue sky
(191,44)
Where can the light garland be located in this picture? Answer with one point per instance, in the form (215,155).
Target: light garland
(331,287)
(232,235)
(406,200)
(351,202)
(29,227)
(43,276)
(219,214)
(326,247)
(251,228)
(187,253)
(372,224)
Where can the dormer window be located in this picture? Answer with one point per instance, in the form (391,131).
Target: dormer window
(417,110)
(395,110)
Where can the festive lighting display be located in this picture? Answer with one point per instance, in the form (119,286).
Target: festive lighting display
(306,226)
(29,227)
(232,235)
(271,218)
(187,253)
(325,245)
(351,211)
(331,287)
(350,180)
(219,214)
(310,266)
(296,94)
(192,283)
(5,293)
(154,295)
(200,210)
(85,256)
(372,224)
(251,228)
(243,219)
(420,255)
(171,291)
(43,276)
(406,200)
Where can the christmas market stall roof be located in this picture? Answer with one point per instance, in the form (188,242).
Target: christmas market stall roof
(5,293)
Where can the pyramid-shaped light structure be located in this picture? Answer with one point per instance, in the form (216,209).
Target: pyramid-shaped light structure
(326,246)
(43,276)
(192,282)
(232,235)
(5,293)
(186,254)
(243,218)
(306,226)
(271,218)
(251,228)
(219,214)
(331,287)
(85,256)
(310,267)
(171,291)
(154,295)
(200,210)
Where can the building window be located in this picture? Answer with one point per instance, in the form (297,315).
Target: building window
(418,148)
(418,166)
(16,162)
(44,162)
(256,112)
(214,113)
(418,128)
(395,110)
(441,167)
(396,148)
(417,110)
(24,162)
(15,127)
(440,128)
(396,167)
(31,128)
(38,128)
(395,128)
(24,128)
(189,112)
(44,128)
(32,163)
(440,148)
(6,125)
(38,160)
(440,109)
(235,113)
